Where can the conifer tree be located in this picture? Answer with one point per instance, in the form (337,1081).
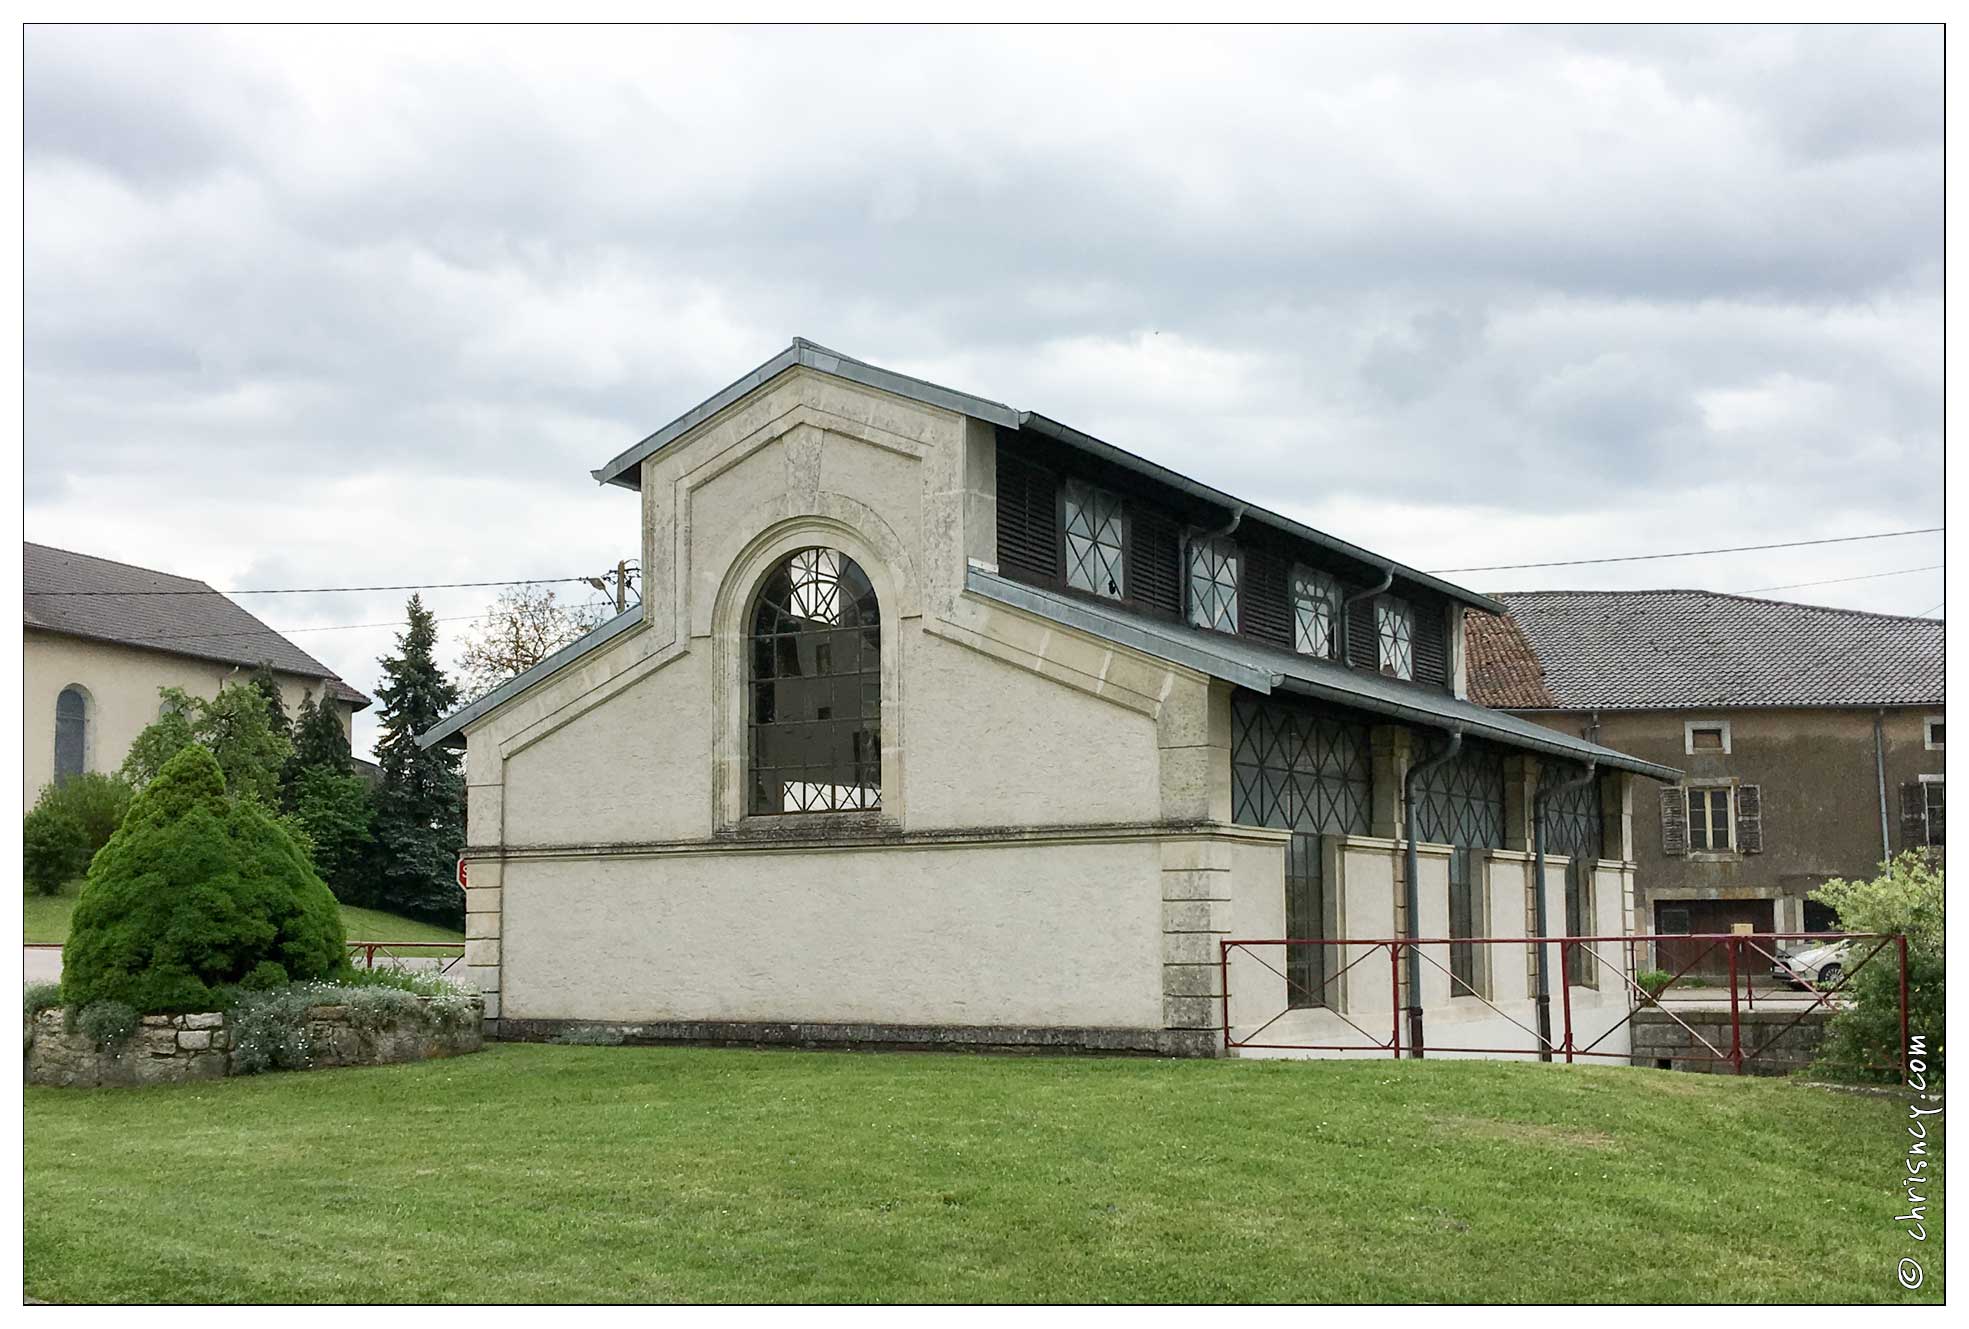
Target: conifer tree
(420,823)
(269,687)
(318,737)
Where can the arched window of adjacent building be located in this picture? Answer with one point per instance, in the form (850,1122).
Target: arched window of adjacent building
(71,733)
(814,688)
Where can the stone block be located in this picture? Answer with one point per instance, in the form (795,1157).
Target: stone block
(1191,980)
(208,1020)
(158,1042)
(482,952)
(1196,916)
(1191,1013)
(481,925)
(1196,884)
(483,899)
(195,1040)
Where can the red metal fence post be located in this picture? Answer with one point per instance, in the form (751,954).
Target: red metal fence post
(1565,991)
(1736,1029)
(1224,987)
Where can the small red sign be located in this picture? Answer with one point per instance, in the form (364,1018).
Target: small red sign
(461,872)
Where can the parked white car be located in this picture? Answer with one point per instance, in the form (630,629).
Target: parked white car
(1822,965)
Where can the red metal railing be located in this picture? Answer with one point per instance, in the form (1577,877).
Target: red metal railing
(369,950)
(1701,992)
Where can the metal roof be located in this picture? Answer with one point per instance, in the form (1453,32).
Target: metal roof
(625,469)
(80,595)
(1681,649)
(455,722)
(1268,669)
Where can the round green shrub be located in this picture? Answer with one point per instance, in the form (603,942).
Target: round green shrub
(69,823)
(194,893)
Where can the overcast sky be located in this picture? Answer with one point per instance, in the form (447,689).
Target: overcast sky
(347,306)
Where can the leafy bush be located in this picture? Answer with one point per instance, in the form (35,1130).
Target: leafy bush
(420,981)
(194,892)
(1654,981)
(69,823)
(270,1029)
(1906,898)
(42,997)
(107,1024)
(235,727)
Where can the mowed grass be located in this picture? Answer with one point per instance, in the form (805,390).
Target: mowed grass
(539,1173)
(47,918)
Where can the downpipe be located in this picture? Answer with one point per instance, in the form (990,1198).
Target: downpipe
(1410,897)
(1542,997)
(1347,613)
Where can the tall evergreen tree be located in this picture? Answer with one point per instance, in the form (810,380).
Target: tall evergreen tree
(268,686)
(318,737)
(420,805)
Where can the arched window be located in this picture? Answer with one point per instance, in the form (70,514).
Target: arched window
(814,688)
(71,733)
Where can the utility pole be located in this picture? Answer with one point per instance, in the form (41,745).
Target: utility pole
(621,585)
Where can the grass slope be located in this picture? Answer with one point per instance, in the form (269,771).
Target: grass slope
(46,919)
(608,1174)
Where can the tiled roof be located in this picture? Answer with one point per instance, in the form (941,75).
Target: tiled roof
(1503,668)
(122,606)
(1655,650)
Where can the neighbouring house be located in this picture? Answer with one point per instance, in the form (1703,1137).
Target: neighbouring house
(942,722)
(1812,739)
(102,637)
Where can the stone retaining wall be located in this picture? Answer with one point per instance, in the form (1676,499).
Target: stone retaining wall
(171,1049)
(1660,1042)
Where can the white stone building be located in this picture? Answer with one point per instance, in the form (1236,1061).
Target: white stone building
(941,722)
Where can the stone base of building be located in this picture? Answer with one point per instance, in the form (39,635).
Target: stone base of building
(894,1037)
(174,1049)
(1769,1046)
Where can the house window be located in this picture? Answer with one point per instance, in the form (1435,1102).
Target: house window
(1315,611)
(1931,733)
(1699,736)
(71,733)
(1213,584)
(814,688)
(1465,920)
(1709,818)
(1933,808)
(1395,626)
(1582,970)
(1096,532)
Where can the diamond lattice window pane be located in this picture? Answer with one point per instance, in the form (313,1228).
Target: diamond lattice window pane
(1096,531)
(1315,607)
(1214,567)
(1395,622)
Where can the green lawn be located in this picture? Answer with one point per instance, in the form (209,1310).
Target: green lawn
(530,1173)
(47,920)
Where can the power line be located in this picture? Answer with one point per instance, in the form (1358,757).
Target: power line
(281,632)
(1834,581)
(1924,613)
(1688,553)
(331,590)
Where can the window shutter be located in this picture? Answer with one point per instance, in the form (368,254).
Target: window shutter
(1431,644)
(1674,820)
(1914,816)
(1154,559)
(1363,648)
(1750,820)
(1028,520)
(1267,598)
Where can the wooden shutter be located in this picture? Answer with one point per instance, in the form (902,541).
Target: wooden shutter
(1914,816)
(1265,598)
(1674,820)
(1750,819)
(1363,646)
(1430,644)
(1028,520)
(1154,556)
